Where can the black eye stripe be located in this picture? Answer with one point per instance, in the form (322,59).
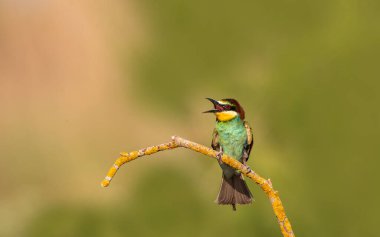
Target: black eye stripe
(229,107)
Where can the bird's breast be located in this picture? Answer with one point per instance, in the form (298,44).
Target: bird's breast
(232,137)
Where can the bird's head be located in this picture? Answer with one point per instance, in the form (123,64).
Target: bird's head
(226,109)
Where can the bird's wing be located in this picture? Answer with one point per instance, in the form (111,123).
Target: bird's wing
(249,144)
(215,140)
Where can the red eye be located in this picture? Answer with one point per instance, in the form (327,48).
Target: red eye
(227,107)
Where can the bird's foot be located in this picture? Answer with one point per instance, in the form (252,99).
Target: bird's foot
(248,169)
(219,156)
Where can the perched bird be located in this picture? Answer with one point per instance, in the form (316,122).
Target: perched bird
(232,136)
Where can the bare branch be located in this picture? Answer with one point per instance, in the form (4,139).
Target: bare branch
(266,185)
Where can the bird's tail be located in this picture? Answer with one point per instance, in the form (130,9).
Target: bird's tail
(234,191)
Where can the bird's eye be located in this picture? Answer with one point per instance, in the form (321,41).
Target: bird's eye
(227,107)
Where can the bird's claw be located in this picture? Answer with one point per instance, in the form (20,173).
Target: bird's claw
(219,156)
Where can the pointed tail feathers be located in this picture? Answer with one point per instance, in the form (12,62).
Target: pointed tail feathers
(234,191)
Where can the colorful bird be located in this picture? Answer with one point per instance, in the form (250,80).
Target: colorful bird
(232,136)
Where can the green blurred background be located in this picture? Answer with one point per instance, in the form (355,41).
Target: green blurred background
(81,81)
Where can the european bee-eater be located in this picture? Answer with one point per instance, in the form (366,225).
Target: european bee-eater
(232,136)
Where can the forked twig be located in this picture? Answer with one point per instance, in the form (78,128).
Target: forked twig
(266,185)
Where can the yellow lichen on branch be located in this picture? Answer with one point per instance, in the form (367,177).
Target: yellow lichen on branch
(266,185)
(129,156)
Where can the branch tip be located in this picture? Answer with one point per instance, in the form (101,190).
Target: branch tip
(105,183)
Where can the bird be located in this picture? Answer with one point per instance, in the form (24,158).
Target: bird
(232,136)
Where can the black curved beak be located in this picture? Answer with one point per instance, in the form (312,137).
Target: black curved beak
(217,106)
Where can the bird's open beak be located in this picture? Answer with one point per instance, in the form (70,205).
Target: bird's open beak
(217,106)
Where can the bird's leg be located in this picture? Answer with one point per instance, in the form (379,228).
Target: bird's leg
(219,155)
(245,155)
(244,159)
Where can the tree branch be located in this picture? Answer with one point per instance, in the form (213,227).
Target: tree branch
(265,185)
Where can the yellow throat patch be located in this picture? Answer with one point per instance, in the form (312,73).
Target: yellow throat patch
(225,115)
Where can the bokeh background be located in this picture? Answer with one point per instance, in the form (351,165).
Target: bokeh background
(81,81)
